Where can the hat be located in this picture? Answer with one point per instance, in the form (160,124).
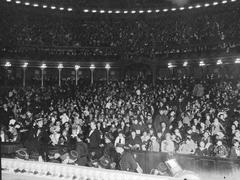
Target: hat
(73,155)
(222,113)
(12,122)
(22,154)
(161,167)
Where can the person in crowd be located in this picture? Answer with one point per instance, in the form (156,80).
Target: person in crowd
(220,150)
(127,162)
(201,149)
(134,141)
(155,147)
(167,144)
(235,150)
(82,151)
(120,139)
(187,147)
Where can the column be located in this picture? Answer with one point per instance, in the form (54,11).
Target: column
(107,67)
(76,74)
(59,77)
(43,66)
(154,74)
(92,67)
(24,76)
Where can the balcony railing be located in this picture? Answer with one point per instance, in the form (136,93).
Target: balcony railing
(34,169)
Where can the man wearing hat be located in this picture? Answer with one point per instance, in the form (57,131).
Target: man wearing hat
(127,161)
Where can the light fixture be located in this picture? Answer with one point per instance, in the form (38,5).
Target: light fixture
(25,65)
(133,11)
(18,2)
(181,8)
(165,10)
(44,6)
(149,11)
(170,65)
(233,0)
(107,66)
(201,63)
(94,11)
(60,66)
(53,7)
(8,0)
(198,6)
(8,64)
(92,66)
(110,12)
(125,12)
(102,11)
(224,2)
(140,11)
(69,9)
(61,8)
(219,62)
(190,7)
(85,10)
(173,9)
(215,3)
(117,11)
(157,10)
(185,64)
(43,66)
(76,67)
(237,61)
(35,5)
(206,5)
(27,3)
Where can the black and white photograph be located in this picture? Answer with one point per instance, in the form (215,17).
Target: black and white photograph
(120,89)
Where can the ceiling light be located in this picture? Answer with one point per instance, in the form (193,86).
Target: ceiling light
(94,11)
(190,7)
(215,3)
(206,5)
(85,10)
(185,63)
(27,3)
(224,2)
(165,10)
(181,8)
(8,64)
(157,10)
(53,7)
(141,11)
(109,12)
(173,9)
(25,65)
(102,11)
(61,8)
(219,62)
(69,9)
(18,2)
(149,11)
(44,6)
(35,5)
(198,6)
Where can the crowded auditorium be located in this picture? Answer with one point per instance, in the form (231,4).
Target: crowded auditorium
(120,89)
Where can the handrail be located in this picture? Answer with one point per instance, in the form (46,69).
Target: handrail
(54,170)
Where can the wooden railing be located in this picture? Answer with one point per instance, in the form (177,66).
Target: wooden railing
(45,170)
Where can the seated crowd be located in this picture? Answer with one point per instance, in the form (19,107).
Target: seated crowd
(141,36)
(88,123)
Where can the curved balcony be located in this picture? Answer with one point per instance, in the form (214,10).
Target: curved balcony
(20,169)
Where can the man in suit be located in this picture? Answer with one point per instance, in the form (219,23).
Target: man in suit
(93,140)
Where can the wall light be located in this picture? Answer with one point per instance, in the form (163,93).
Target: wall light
(107,66)
(60,66)
(92,66)
(8,64)
(25,65)
(219,62)
(76,67)
(185,64)
(43,66)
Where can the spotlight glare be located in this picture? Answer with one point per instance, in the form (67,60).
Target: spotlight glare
(201,63)
(76,67)
(185,63)
(25,64)
(35,5)
(8,64)
(219,62)
(206,5)
(107,66)
(237,61)
(198,6)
